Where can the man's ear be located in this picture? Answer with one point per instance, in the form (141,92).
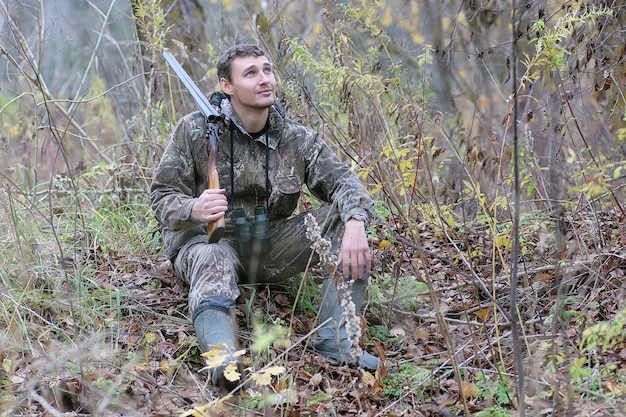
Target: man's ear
(227,87)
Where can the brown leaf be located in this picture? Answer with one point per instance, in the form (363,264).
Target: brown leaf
(421,335)
(448,401)
(431,349)
(282,300)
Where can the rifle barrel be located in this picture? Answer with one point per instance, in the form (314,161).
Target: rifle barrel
(205,106)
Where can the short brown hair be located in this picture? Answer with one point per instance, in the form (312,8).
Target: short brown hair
(225,62)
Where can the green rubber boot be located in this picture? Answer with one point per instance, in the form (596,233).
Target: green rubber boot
(332,338)
(215,325)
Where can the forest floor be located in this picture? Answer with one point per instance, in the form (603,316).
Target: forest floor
(415,321)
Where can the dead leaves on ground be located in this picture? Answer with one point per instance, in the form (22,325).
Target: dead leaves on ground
(163,372)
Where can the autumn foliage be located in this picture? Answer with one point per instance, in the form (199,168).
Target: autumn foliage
(491,135)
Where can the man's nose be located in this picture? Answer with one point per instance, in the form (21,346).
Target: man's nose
(265,78)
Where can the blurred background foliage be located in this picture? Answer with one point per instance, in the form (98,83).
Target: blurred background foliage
(426,85)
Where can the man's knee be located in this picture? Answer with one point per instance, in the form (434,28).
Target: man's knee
(207,257)
(209,269)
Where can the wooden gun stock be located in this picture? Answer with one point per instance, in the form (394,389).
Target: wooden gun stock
(215,229)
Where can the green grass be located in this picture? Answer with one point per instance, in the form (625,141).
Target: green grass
(61,304)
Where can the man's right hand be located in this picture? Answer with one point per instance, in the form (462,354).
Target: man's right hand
(210,206)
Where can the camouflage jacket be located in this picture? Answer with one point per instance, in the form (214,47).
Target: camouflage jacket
(297,156)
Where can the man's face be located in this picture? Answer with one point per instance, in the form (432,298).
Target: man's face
(252,84)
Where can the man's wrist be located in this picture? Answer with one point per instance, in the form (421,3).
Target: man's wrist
(359,217)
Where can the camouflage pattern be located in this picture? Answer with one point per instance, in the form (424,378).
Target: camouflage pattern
(298,156)
(216,268)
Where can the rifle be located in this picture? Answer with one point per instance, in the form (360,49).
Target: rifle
(215,229)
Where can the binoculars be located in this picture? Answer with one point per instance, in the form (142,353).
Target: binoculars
(252,233)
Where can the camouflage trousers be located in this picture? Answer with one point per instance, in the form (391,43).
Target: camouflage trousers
(216,269)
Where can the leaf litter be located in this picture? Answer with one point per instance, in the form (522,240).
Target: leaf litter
(159,371)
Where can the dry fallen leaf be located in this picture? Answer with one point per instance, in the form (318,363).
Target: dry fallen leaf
(275,370)
(261,378)
(368,379)
(215,357)
(315,380)
(264,377)
(421,334)
(483,314)
(469,390)
(611,386)
(448,401)
(282,300)
(231,372)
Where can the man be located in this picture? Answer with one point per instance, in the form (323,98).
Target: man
(264,159)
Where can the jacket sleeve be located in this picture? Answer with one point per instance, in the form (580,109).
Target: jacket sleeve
(331,180)
(173,189)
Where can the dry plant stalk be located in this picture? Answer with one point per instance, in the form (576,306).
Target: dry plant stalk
(344,286)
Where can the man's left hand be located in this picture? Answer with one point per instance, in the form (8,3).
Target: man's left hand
(354,256)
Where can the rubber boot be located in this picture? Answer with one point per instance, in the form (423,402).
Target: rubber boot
(332,338)
(215,325)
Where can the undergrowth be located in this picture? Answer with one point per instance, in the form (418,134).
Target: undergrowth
(92,320)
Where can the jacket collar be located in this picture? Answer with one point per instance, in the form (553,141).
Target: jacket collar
(276,122)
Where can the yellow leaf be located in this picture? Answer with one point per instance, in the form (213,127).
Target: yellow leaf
(483,314)
(262,378)
(168,367)
(450,221)
(384,243)
(215,407)
(239,353)
(368,379)
(142,367)
(149,337)
(246,361)
(275,370)
(469,390)
(611,386)
(502,240)
(196,412)
(376,189)
(215,357)
(231,372)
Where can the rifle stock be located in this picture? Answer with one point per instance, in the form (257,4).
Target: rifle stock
(215,229)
